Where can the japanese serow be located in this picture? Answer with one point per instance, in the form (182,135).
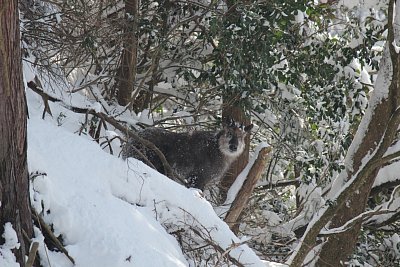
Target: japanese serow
(198,156)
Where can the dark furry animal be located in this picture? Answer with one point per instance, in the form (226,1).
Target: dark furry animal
(199,156)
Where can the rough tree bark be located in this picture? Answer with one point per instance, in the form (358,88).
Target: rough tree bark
(365,157)
(127,71)
(14,194)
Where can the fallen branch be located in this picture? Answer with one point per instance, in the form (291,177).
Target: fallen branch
(45,97)
(247,188)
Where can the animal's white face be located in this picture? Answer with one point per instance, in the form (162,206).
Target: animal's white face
(231,142)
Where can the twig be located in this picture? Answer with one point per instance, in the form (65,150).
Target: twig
(205,235)
(283,183)
(224,253)
(32,254)
(143,157)
(169,171)
(87,84)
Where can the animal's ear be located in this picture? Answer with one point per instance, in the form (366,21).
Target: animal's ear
(228,122)
(248,128)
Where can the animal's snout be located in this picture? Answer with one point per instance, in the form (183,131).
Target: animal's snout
(233,147)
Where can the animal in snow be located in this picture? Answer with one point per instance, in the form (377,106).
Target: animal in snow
(198,156)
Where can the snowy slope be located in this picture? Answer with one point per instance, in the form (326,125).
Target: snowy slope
(111,212)
(83,194)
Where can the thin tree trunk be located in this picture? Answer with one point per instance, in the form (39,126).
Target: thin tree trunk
(127,72)
(14,194)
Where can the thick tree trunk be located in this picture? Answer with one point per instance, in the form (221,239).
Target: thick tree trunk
(14,194)
(127,71)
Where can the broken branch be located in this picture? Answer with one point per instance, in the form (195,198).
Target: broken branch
(248,186)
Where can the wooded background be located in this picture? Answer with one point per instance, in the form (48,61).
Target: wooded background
(318,79)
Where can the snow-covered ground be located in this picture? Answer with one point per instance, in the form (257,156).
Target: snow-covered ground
(110,212)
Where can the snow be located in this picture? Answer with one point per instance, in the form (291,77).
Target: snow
(58,17)
(396,48)
(145,117)
(7,257)
(10,237)
(365,3)
(388,173)
(96,107)
(110,212)
(77,199)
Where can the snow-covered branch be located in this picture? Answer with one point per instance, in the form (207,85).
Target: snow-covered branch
(392,205)
(363,217)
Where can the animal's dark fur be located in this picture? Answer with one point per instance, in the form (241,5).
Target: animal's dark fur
(199,156)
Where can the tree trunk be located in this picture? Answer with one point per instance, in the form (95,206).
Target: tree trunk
(14,192)
(127,71)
